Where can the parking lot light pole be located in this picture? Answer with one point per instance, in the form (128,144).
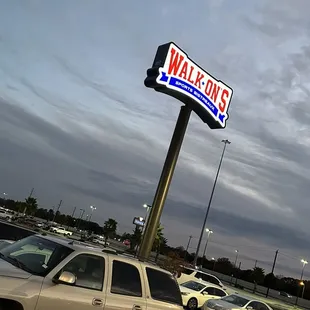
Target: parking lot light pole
(93,208)
(237,254)
(4,199)
(214,262)
(210,201)
(302,283)
(304,263)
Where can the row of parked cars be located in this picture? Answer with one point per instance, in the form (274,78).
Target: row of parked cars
(205,291)
(46,273)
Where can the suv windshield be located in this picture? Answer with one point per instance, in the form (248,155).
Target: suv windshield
(195,286)
(236,300)
(35,254)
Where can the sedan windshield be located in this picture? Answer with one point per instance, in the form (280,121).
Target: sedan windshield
(195,286)
(236,300)
(35,254)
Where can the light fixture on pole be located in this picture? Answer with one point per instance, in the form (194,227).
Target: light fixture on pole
(209,232)
(210,201)
(93,208)
(148,208)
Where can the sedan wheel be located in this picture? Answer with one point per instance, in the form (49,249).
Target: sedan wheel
(192,304)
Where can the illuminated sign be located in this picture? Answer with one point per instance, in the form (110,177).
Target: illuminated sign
(139,221)
(175,74)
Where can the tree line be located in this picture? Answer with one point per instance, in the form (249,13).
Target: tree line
(257,275)
(176,256)
(30,208)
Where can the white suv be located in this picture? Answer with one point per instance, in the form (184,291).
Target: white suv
(194,274)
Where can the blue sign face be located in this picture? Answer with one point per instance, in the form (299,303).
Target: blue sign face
(139,221)
(175,74)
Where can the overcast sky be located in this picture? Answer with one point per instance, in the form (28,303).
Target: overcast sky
(77,123)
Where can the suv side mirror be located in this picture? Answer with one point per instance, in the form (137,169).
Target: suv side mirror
(205,293)
(65,277)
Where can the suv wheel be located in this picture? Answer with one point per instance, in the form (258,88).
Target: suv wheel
(192,304)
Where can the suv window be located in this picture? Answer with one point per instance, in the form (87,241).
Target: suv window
(218,292)
(126,279)
(89,271)
(210,291)
(163,286)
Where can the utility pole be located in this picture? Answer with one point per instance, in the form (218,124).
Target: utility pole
(187,247)
(59,205)
(210,201)
(272,271)
(30,195)
(237,273)
(72,215)
(80,219)
(255,264)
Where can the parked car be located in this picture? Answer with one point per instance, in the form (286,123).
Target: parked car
(61,231)
(100,241)
(284,294)
(235,302)
(188,274)
(196,293)
(4,215)
(126,242)
(48,273)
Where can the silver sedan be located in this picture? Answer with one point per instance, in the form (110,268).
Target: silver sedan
(235,302)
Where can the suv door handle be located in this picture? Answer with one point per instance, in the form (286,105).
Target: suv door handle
(97,302)
(136,307)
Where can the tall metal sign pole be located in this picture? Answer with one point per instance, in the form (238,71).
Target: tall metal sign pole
(164,182)
(175,74)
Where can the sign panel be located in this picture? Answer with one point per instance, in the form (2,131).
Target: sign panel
(139,221)
(175,74)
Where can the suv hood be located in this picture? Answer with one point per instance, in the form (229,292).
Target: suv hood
(8,270)
(184,289)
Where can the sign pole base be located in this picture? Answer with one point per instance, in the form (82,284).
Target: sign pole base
(164,183)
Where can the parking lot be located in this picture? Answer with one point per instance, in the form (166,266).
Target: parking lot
(14,231)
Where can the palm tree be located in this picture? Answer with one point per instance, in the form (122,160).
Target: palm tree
(31,205)
(109,228)
(159,241)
